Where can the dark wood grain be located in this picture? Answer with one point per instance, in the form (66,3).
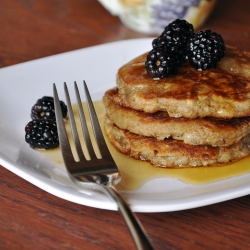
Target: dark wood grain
(33,219)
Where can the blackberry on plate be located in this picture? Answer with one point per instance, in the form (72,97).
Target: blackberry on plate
(44,109)
(205,49)
(176,37)
(160,62)
(42,134)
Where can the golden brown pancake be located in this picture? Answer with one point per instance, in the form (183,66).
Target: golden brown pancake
(190,119)
(173,153)
(198,131)
(223,92)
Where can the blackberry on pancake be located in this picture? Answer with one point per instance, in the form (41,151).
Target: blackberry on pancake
(160,62)
(205,49)
(175,38)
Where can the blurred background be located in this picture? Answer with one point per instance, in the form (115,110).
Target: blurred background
(33,29)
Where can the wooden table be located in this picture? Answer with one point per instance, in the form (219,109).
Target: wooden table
(33,219)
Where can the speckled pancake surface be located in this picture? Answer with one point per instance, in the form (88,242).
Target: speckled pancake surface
(223,92)
(198,131)
(173,153)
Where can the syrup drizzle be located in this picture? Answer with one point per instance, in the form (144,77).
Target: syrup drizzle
(135,173)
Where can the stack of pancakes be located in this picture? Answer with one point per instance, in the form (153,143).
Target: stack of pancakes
(193,118)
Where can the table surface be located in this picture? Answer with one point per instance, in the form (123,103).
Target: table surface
(30,218)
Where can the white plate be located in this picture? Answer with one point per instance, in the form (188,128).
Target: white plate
(21,85)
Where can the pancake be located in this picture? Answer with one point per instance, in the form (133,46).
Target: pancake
(198,131)
(173,153)
(223,92)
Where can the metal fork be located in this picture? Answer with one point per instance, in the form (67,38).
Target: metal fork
(104,171)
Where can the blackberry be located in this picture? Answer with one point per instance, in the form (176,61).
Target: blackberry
(205,49)
(44,109)
(176,37)
(160,62)
(42,134)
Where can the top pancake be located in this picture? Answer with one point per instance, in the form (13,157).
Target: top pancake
(223,92)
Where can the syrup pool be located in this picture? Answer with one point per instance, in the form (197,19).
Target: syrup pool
(135,173)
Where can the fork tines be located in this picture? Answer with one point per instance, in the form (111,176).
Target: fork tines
(99,138)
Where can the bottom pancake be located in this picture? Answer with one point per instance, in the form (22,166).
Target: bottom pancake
(173,153)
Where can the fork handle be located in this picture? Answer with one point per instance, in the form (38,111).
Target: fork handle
(140,238)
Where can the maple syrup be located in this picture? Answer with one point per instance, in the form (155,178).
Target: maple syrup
(135,173)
